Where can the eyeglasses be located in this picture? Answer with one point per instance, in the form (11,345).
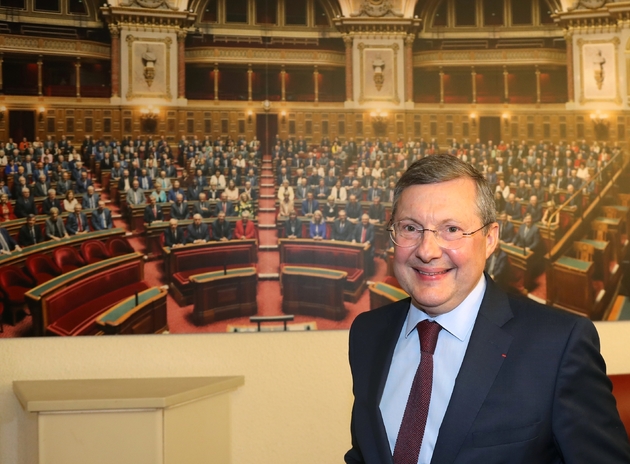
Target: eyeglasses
(407,234)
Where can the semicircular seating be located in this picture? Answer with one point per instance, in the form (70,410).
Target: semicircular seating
(67,259)
(94,251)
(41,268)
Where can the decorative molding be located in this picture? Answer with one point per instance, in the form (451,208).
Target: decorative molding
(377,9)
(513,57)
(394,97)
(167,41)
(263,56)
(54,47)
(581,43)
(150,4)
(587,4)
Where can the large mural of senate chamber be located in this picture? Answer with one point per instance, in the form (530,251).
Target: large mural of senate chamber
(231,166)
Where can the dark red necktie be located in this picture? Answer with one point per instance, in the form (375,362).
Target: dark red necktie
(414,421)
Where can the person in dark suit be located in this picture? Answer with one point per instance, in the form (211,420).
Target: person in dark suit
(511,380)
(50,202)
(102,217)
(330,209)
(353,209)
(90,199)
(342,228)
(376,211)
(179,209)
(498,268)
(30,233)
(221,230)
(310,205)
(198,232)
(173,236)
(534,209)
(77,222)
(65,184)
(293,226)
(25,204)
(513,207)
(203,207)
(153,211)
(506,228)
(7,244)
(225,206)
(364,233)
(41,187)
(528,236)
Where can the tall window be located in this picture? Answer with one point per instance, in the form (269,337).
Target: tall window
(465,13)
(266,11)
(12,4)
(210,12)
(295,12)
(441,14)
(47,5)
(321,18)
(545,12)
(493,12)
(521,12)
(236,11)
(77,7)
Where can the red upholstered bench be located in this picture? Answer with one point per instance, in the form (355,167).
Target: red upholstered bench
(81,320)
(621,391)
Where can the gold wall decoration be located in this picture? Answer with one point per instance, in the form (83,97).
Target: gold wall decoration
(149,62)
(599,70)
(379,80)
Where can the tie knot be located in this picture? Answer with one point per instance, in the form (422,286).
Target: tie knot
(428,332)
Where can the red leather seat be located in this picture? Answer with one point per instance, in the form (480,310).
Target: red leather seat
(67,259)
(14,283)
(94,251)
(117,246)
(41,268)
(621,391)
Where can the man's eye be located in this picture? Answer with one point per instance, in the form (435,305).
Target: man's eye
(409,228)
(452,229)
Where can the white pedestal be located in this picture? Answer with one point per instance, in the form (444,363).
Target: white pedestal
(131,421)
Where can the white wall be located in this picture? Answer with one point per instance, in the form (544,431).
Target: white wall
(294,406)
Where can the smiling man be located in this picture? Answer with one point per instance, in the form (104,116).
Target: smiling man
(461,372)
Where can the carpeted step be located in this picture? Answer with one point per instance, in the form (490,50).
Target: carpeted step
(269,276)
(267,226)
(267,247)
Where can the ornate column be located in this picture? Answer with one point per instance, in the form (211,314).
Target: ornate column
(215,74)
(40,63)
(570,84)
(1,83)
(181,64)
(77,69)
(283,84)
(316,83)
(409,67)
(349,91)
(506,90)
(441,85)
(249,82)
(474,85)
(537,84)
(114,31)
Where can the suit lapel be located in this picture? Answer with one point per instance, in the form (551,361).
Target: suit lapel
(379,375)
(487,348)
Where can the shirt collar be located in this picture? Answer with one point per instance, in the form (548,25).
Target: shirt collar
(457,322)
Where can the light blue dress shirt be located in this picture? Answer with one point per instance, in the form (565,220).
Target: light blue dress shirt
(449,353)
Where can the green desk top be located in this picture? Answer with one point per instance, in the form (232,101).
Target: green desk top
(609,221)
(42,246)
(567,261)
(394,292)
(517,250)
(43,288)
(122,308)
(597,244)
(241,271)
(315,271)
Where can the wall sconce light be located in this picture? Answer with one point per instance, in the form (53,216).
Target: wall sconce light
(379,121)
(599,119)
(250,115)
(283,117)
(149,113)
(40,111)
(3,109)
(506,119)
(473,119)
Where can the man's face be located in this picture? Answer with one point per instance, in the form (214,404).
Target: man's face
(197,220)
(30,222)
(173,225)
(438,280)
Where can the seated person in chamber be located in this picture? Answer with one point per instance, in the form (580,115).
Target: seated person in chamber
(285,208)
(293,226)
(7,244)
(30,233)
(153,211)
(173,235)
(245,204)
(6,208)
(55,228)
(77,222)
(245,228)
(221,229)
(318,228)
(203,207)
(198,232)
(102,217)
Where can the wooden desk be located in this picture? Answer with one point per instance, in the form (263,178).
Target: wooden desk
(572,287)
(521,263)
(131,421)
(382,294)
(614,232)
(602,258)
(146,316)
(314,292)
(218,295)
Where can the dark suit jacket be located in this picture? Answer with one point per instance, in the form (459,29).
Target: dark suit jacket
(229,208)
(24,235)
(369,234)
(180,211)
(507,232)
(532,240)
(296,230)
(513,211)
(202,234)
(97,219)
(24,207)
(149,217)
(221,230)
(8,239)
(530,377)
(72,224)
(169,240)
(344,235)
(204,213)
